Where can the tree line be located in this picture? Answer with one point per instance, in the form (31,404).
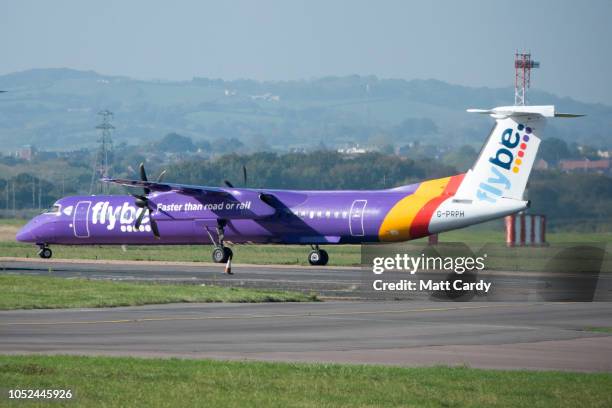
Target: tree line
(571,201)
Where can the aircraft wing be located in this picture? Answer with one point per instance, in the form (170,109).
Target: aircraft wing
(254,204)
(188,189)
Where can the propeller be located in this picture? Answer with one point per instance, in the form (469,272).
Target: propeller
(244,178)
(142,202)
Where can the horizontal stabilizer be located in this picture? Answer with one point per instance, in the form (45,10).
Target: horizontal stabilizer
(568,115)
(546,111)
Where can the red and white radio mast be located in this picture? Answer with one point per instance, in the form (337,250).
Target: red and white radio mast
(522,77)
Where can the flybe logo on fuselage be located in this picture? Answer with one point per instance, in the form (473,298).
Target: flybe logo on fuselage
(122,216)
(505,161)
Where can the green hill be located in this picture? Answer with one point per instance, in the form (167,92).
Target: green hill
(57,109)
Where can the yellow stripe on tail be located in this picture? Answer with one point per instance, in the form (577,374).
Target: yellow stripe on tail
(396,225)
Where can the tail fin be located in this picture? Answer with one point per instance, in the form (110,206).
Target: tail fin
(507,157)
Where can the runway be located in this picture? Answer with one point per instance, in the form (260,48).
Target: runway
(496,335)
(327,281)
(418,332)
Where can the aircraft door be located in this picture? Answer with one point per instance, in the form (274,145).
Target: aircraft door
(80,220)
(356,218)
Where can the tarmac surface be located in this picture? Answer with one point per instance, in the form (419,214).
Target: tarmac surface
(422,332)
(327,281)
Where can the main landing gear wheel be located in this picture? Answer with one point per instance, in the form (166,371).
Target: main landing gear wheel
(221,254)
(45,252)
(318,257)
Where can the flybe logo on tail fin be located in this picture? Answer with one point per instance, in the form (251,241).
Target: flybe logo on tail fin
(505,161)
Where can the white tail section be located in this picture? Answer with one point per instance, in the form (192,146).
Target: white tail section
(505,162)
(494,186)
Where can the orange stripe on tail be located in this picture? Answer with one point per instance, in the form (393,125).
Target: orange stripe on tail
(420,225)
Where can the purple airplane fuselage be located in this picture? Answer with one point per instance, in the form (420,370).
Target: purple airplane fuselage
(295,217)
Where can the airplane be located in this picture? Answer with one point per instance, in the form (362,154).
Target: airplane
(179,214)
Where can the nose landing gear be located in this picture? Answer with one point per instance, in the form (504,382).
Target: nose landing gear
(318,257)
(45,252)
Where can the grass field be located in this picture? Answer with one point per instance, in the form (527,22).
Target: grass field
(41,292)
(133,382)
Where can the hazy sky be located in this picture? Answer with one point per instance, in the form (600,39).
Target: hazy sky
(463,42)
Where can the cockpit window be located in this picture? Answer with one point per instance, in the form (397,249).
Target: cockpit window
(54,209)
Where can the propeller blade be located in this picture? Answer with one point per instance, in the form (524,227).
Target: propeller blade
(141,214)
(143,173)
(244,175)
(143,177)
(154,225)
(161,176)
(227,183)
(142,201)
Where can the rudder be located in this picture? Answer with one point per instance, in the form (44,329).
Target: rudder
(505,161)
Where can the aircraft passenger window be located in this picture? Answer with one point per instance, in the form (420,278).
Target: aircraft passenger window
(311,214)
(327,214)
(336,214)
(344,214)
(319,213)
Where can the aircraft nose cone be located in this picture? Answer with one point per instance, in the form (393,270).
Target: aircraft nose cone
(25,235)
(37,230)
